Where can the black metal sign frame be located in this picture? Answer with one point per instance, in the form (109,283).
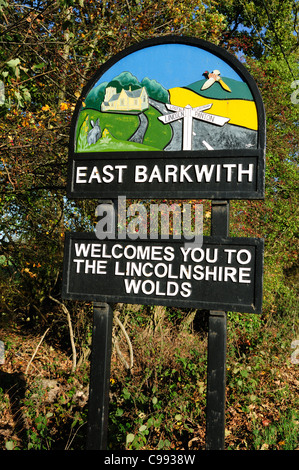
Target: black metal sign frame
(236,173)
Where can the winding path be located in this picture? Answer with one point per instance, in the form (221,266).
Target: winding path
(176,140)
(139,134)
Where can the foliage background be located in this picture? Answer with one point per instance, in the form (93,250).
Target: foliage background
(48,51)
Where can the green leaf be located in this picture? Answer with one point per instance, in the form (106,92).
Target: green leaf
(3,3)
(38,66)
(26,94)
(119,412)
(9,445)
(130,438)
(13,63)
(126,394)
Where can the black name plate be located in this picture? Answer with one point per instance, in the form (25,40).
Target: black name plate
(231,175)
(220,274)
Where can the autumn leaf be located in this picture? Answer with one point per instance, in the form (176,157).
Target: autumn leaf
(64,106)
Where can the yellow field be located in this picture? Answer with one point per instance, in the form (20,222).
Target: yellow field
(241,112)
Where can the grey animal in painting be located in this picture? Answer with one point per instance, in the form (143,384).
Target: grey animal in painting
(95,133)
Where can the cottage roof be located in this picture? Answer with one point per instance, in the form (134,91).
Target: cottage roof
(114,97)
(134,93)
(129,93)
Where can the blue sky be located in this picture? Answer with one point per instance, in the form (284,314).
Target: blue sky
(170,64)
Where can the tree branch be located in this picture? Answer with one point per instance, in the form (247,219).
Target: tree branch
(68,316)
(128,366)
(36,349)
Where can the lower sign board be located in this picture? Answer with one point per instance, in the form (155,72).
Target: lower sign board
(219,274)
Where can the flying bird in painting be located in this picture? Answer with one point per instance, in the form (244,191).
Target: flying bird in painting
(212,78)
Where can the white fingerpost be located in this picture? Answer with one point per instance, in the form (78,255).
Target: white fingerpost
(188,113)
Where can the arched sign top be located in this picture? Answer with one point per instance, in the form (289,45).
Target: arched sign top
(134,102)
(167,97)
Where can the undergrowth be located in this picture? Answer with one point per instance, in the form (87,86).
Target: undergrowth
(160,402)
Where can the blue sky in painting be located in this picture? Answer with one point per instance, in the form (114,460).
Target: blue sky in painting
(172,65)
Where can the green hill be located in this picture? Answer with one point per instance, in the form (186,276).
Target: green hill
(239,90)
(95,97)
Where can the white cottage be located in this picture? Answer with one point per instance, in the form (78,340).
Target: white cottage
(126,100)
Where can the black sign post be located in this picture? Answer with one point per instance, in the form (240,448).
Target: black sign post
(98,405)
(148,125)
(216,380)
(99,384)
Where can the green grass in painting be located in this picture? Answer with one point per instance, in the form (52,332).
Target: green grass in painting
(120,128)
(157,134)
